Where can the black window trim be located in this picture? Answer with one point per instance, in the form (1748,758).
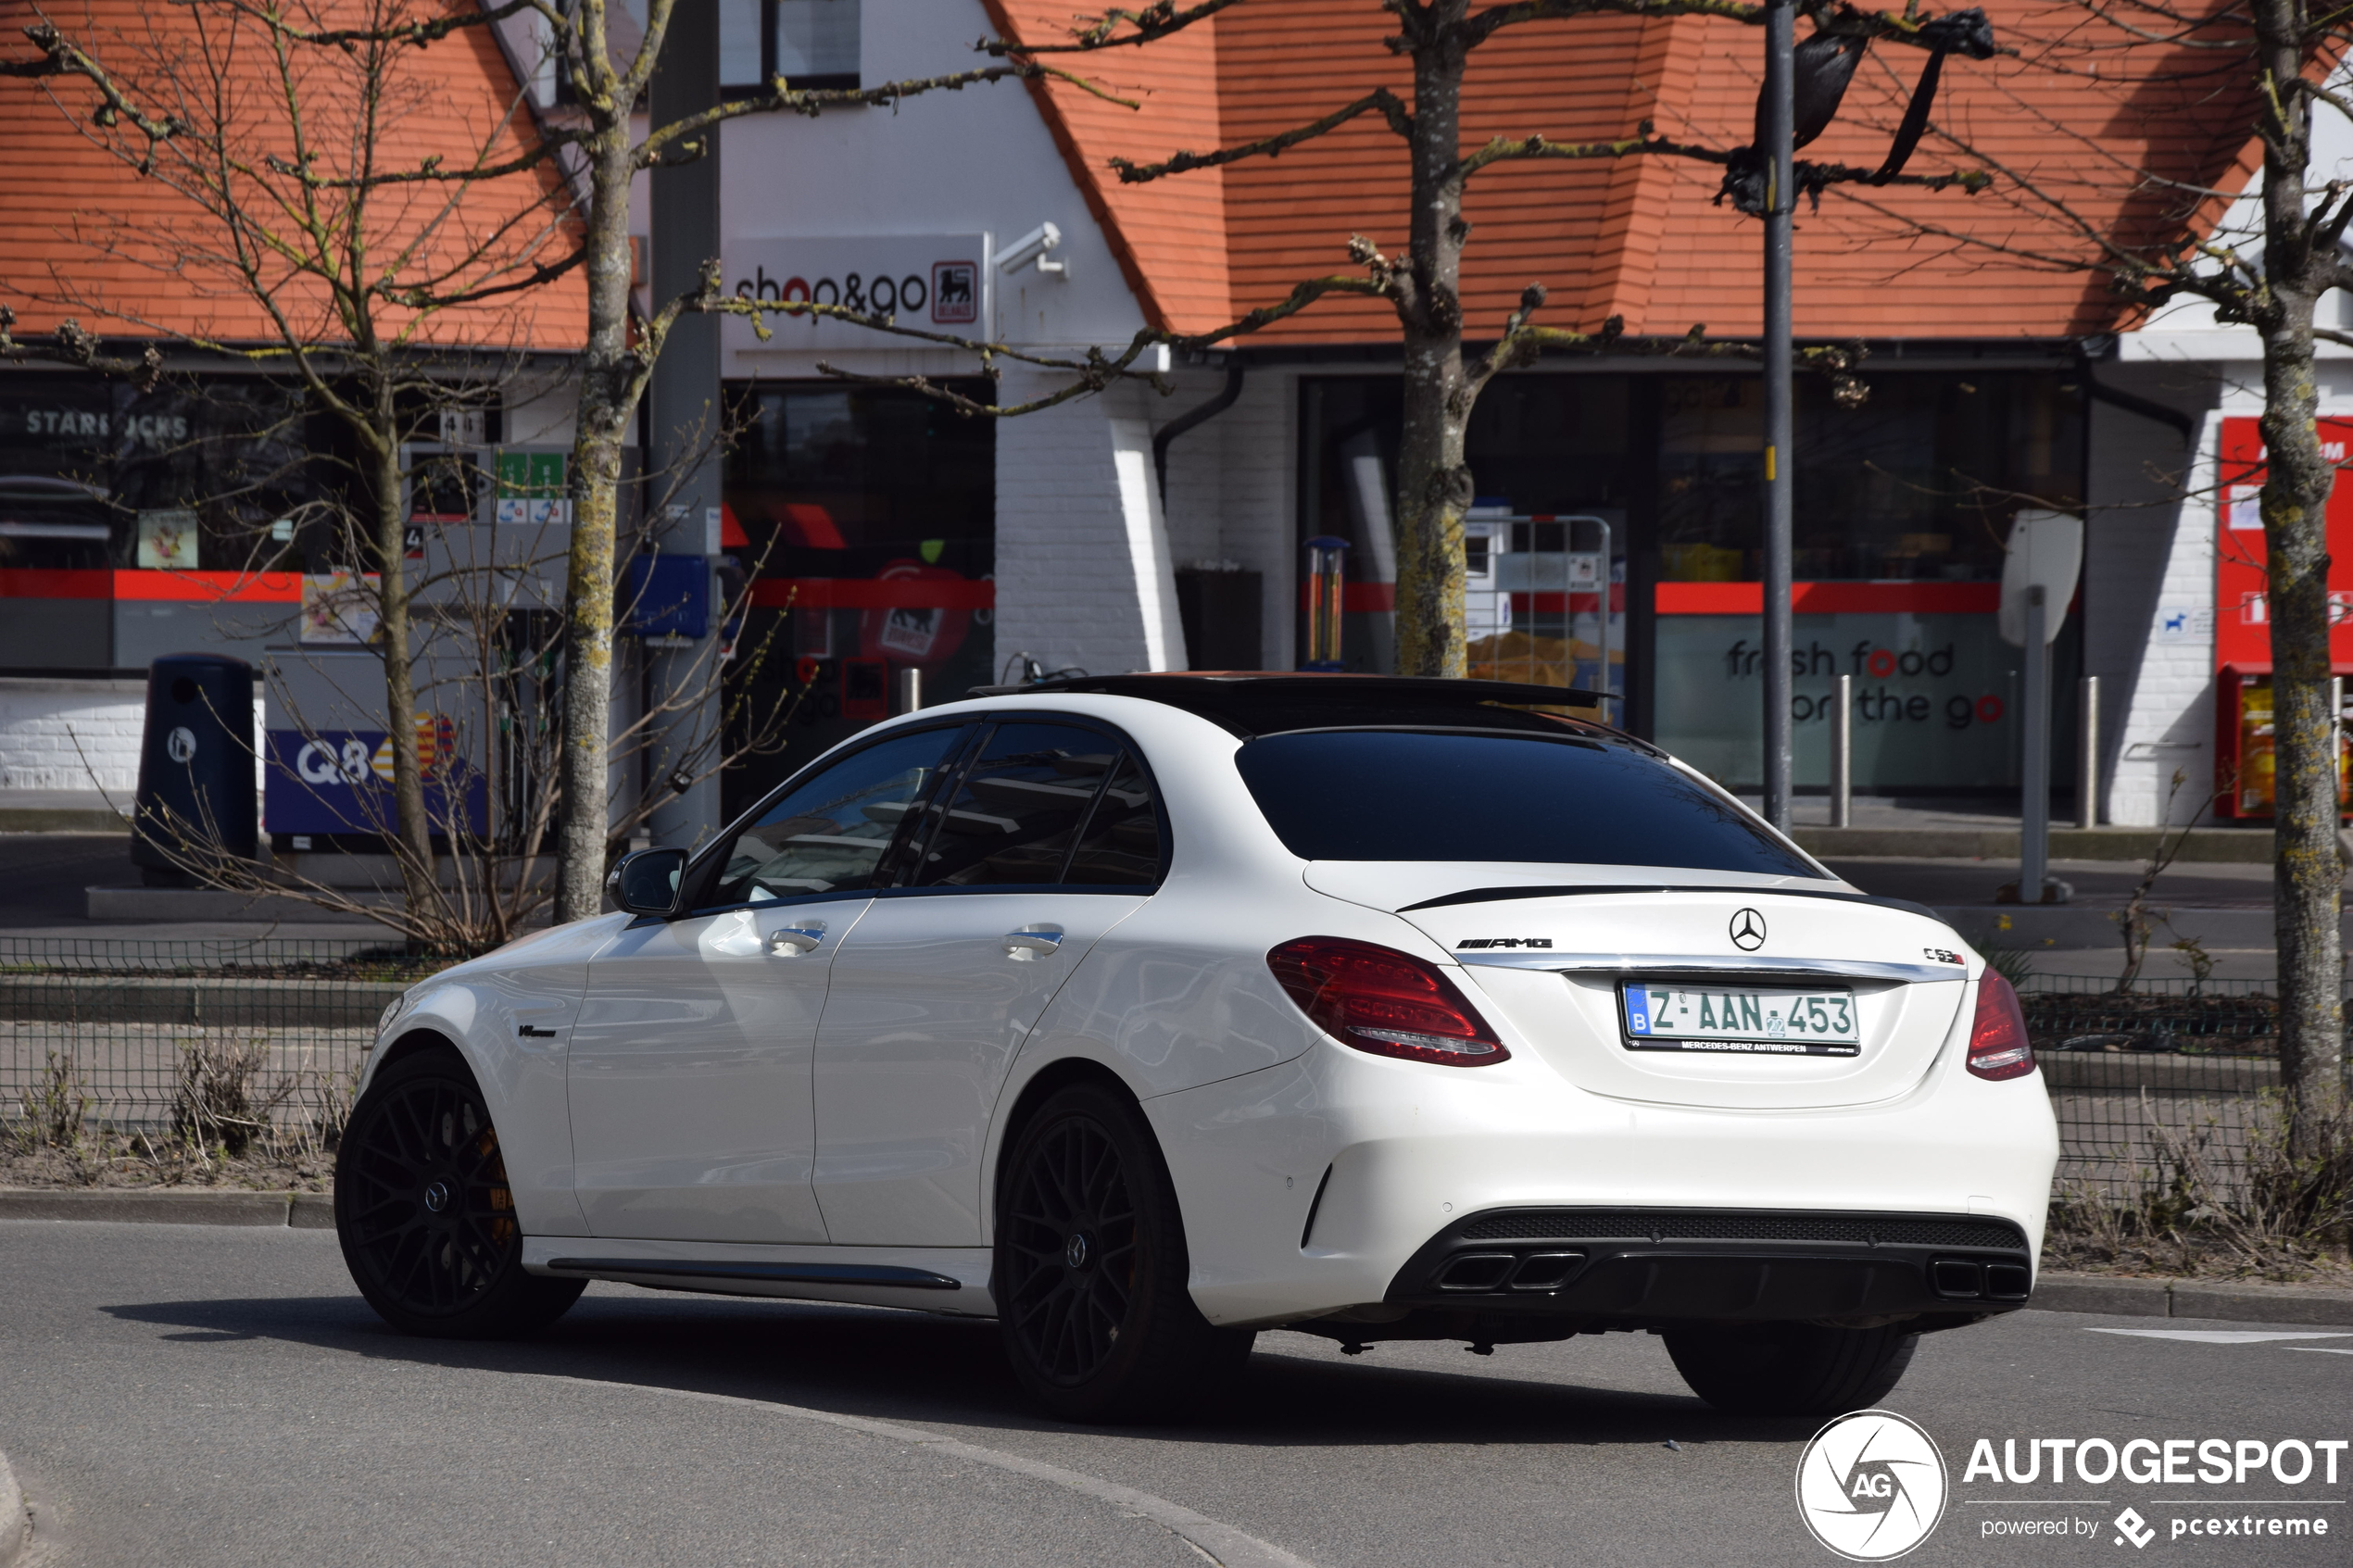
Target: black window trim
(698,867)
(989,723)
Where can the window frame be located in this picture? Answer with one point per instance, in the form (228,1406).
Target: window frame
(697,879)
(769,51)
(906,854)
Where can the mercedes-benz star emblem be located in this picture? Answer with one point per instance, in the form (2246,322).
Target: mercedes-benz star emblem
(1748,929)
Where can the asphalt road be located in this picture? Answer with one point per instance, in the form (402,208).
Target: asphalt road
(195,1395)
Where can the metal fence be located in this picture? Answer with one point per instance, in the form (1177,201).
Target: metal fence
(135,1035)
(136,1028)
(2137,1077)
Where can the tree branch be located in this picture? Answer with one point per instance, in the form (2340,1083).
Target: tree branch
(1392,109)
(61,58)
(1894,27)
(1152,21)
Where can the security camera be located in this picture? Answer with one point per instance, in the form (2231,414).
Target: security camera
(1033,247)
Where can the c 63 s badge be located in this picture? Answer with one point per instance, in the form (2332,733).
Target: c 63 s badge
(1939,955)
(1470,942)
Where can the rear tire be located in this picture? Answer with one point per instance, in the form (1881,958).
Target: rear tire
(425,1212)
(1091,1270)
(1791,1368)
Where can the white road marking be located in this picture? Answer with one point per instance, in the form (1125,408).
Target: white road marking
(1222,1544)
(2219,1336)
(2321,1349)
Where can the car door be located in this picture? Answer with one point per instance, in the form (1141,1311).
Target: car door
(690,1076)
(1047,838)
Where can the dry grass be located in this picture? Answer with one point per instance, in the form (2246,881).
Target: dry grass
(232,1124)
(2261,1211)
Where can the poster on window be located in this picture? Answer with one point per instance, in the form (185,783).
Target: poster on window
(168,541)
(339,608)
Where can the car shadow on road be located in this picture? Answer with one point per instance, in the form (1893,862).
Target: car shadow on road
(949,1373)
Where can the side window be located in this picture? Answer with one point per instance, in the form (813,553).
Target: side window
(1120,846)
(830,835)
(1017,808)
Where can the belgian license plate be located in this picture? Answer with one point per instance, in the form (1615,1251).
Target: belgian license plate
(1740,1020)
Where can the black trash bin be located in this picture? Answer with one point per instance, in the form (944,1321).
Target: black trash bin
(195,765)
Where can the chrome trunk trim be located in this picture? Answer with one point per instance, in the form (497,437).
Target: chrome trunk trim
(1727,966)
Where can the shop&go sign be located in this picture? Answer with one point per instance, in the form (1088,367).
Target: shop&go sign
(937,282)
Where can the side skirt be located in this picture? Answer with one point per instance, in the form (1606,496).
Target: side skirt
(952,1280)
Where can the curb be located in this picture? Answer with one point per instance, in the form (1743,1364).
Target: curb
(172,1205)
(15,1525)
(2120,1296)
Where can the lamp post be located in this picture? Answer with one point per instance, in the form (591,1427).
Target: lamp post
(1778,124)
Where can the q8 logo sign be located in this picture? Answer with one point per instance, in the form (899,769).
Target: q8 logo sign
(1871,1486)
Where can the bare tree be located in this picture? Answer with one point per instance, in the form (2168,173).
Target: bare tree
(2180,225)
(380,286)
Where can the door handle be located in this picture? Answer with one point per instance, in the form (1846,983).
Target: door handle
(1028,946)
(794,940)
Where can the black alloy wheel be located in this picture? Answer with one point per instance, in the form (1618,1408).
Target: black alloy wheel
(425,1212)
(1091,1268)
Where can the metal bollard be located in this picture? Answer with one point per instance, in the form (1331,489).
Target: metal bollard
(2087,765)
(907,692)
(1842,753)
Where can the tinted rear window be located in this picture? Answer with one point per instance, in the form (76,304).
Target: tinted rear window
(1370,795)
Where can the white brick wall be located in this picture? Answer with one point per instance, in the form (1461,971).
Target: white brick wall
(1230,485)
(71,734)
(1082,556)
(2148,559)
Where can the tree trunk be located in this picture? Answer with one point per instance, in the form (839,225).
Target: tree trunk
(2309,876)
(610,374)
(410,825)
(1433,483)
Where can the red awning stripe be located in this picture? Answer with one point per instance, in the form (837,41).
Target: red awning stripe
(195,587)
(859,593)
(1832,599)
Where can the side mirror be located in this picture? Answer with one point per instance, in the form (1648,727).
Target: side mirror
(645,881)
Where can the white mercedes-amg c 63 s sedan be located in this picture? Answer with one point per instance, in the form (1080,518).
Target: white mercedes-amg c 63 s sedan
(1143,1012)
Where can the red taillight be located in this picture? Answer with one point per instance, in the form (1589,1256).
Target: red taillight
(1997,1046)
(1383,1001)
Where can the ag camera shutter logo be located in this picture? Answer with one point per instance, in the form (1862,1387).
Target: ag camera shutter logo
(1871,1486)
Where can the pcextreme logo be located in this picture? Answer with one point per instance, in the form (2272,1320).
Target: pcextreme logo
(1871,1486)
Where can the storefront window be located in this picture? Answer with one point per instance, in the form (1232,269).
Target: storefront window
(1538,447)
(97,475)
(1919,484)
(1903,509)
(867,518)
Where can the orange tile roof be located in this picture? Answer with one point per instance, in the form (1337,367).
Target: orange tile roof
(88,238)
(1637,237)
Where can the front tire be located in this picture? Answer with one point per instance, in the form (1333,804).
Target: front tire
(425,1212)
(1090,1269)
(1791,1368)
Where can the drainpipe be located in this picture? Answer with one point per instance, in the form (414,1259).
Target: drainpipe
(1192,418)
(2181,424)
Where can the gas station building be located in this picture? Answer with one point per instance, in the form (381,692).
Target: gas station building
(1131,531)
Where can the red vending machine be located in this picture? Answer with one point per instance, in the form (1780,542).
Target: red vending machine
(2243,758)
